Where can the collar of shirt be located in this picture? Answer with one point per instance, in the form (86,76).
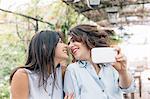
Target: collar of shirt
(84,64)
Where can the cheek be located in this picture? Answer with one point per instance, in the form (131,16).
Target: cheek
(57,50)
(56,53)
(80,55)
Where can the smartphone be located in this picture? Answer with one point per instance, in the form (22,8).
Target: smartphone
(103,55)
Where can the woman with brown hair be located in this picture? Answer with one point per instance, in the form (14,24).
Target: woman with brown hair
(88,80)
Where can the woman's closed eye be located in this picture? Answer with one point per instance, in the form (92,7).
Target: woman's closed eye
(71,41)
(68,43)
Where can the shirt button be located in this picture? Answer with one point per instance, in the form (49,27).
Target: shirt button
(49,94)
(102,90)
(99,78)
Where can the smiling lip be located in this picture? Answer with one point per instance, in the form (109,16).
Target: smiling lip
(74,50)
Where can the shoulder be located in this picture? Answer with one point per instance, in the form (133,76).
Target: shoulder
(108,66)
(20,72)
(111,69)
(20,84)
(73,66)
(20,76)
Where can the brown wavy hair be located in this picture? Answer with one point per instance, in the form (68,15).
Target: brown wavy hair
(90,35)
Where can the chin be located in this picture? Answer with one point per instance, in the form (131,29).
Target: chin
(63,58)
(78,58)
(66,57)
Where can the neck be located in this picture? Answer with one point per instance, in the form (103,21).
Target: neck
(56,62)
(96,67)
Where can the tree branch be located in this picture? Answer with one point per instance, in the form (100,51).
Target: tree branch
(26,16)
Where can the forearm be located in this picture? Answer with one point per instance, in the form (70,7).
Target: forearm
(125,79)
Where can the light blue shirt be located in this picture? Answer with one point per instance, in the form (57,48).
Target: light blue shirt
(82,80)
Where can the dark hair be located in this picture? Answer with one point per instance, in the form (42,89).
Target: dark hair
(90,35)
(41,54)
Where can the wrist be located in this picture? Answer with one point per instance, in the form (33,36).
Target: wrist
(123,72)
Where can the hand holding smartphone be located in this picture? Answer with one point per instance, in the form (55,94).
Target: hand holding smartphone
(103,54)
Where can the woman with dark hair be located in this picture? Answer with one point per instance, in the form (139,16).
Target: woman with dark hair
(88,80)
(41,77)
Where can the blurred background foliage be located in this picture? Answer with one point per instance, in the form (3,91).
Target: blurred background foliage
(12,54)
